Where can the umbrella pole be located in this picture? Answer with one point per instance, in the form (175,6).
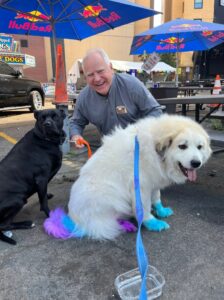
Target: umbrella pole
(177,67)
(54,41)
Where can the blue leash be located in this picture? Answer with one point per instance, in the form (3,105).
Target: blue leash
(140,250)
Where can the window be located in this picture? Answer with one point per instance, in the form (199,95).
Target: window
(24,43)
(198,3)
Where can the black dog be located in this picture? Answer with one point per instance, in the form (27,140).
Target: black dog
(28,168)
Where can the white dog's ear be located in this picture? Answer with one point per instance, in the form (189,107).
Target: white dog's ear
(162,146)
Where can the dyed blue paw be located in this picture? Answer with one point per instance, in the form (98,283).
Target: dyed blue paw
(156,225)
(161,211)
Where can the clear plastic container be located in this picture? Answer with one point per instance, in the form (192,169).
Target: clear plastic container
(128,284)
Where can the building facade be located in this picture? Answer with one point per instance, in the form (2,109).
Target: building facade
(202,64)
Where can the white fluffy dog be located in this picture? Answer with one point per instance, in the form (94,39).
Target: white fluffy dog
(172,148)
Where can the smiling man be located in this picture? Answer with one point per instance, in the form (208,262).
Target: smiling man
(109,99)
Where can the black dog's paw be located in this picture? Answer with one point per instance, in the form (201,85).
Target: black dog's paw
(7,239)
(22,225)
(46,210)
(49,196)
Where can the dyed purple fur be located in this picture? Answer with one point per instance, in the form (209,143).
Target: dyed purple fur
(53,224)
(127,226)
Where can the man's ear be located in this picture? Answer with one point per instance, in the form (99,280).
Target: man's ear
(111,66)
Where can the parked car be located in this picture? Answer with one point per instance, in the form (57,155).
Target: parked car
(18,91)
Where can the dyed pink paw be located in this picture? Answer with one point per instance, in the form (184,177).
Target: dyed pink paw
(127,226)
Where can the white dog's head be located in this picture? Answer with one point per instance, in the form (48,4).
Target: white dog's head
(184,147)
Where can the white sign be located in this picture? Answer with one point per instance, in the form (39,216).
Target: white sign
(49,89)
(222,2)
(151,61)
(30,60)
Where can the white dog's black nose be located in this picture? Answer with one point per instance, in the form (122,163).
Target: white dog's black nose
(195,163)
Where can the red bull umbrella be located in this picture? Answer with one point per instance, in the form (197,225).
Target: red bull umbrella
(179,35)
(68,19)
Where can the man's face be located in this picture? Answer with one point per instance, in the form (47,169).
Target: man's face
(98,74)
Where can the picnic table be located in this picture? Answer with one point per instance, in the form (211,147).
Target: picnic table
(193,90)
(198,100)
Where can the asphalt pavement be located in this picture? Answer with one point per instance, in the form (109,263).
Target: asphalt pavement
(189,254)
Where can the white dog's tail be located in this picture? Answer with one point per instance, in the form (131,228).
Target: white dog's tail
(61,226)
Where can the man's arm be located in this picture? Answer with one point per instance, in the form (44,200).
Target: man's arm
(147,104)
(77,124)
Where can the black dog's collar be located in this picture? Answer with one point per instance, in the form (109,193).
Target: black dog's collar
(58,140)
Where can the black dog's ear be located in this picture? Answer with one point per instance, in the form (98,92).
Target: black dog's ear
(36,114)
(63,115)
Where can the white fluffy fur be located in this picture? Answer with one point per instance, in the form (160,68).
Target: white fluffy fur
(104,191)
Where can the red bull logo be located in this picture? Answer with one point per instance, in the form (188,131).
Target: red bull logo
(32,16)
(207,33)
(214,38)
(141,40)
(169,47)
(95,11)
(172,40)
(92,11)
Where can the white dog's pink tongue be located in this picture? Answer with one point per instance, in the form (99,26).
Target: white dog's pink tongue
(192,175)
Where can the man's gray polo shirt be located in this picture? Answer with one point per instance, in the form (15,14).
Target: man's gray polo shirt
(128,100)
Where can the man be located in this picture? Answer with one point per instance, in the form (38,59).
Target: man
(109,99)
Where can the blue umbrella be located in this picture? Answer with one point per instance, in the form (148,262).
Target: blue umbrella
(67,19)
(179,35)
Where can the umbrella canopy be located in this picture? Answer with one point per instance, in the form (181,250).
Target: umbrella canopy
(67,19)
(179,35)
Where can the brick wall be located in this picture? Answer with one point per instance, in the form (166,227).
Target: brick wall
(36,48)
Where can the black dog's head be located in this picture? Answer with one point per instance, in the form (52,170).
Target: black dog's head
(49,125)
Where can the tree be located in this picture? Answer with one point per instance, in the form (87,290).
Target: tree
(169,58)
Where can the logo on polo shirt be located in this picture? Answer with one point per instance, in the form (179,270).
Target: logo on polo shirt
(121,109)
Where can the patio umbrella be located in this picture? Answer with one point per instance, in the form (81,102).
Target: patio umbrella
(180,35)
(67,19)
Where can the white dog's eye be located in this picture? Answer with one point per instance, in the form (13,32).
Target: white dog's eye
(199,147)
(183,147)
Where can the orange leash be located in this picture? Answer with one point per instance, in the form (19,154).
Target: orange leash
(81,141)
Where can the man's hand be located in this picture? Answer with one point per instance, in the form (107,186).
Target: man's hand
(75,139)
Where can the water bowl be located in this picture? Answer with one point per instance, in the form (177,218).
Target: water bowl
(128,284)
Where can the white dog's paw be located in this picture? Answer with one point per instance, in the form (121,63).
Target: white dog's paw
(161,211)
(154,224)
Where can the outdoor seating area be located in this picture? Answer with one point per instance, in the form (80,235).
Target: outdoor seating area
(111,182)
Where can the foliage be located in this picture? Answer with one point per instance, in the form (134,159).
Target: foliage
(169,58)
(217,125)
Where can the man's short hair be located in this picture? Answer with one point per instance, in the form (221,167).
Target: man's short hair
(100,51)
